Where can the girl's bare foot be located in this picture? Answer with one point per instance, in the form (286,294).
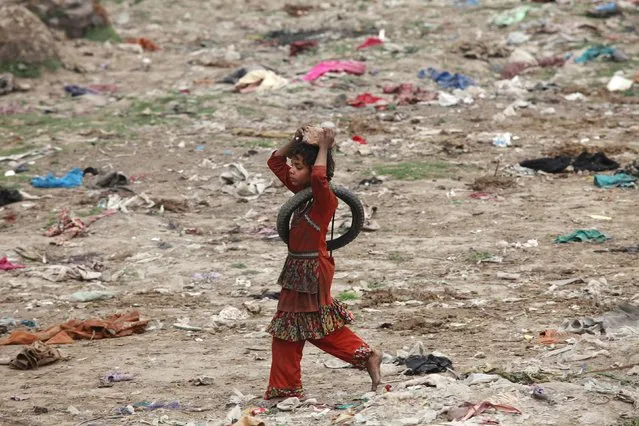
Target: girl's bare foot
(373,367)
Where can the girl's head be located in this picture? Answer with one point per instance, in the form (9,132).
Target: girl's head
(303,157)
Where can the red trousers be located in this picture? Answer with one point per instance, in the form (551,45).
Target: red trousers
(286,372)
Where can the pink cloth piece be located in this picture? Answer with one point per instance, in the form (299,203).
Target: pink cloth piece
(360,140)
(5,265)
(477,409)
(351,67)
(365,99)
(370,42)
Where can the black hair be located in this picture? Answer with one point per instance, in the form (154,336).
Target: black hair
(309,153)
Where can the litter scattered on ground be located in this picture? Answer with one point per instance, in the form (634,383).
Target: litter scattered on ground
(35,355)
(6,265)
(119,325)
(621,180)
(370,42)
(470,410)
(57,273)
(621,321)
(229,316)
(238,182)
(596,162)
(71,180)
(349,67)
(8,196)
(447,80)
(302,46)
(420,364)
(512,16)
(179,151)
(583,235)
(69,227)
(113,377)
(502,140)
(367,99)
(260,81)
(407,94)
(109,179)
(202,381)
(91,296)
(146,44)
(604,11)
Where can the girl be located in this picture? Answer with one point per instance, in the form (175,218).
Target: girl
(306,310)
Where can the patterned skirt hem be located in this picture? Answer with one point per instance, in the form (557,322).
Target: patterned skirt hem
(283,392)
(361,356)
(296,326)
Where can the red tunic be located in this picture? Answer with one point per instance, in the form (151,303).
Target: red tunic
(306,309)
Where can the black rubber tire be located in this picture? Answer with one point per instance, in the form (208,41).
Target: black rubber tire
(357,212)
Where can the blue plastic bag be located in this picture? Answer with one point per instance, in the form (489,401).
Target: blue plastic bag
(446,79)
(71,180)
(620,180)
(595,52)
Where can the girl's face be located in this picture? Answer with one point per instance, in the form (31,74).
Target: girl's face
(300,172)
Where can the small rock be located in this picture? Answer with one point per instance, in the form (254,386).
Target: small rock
(517,37)
(619,84)
(508,276)
(478,378)
(522,56)
(202,381)
(7,84)
(575,97)
(619,56)
(634,371)
(123,18)
(131,48)
(146,63)
(253,306)
(73,411)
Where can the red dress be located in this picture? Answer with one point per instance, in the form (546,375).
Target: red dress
(306,310)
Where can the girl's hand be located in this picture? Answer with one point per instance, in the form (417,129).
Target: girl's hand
(299,135)
(327,138)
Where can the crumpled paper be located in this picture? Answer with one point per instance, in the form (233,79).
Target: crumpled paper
(57,273)
(238,182)
(260,81)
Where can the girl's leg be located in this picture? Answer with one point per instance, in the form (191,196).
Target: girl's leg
(347,346)
(286,372)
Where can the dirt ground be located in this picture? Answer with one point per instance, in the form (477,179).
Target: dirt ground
(425,271)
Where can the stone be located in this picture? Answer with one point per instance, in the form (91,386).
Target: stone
(517,37)
(522,56)
(74,17)
(24,38)
(7,84)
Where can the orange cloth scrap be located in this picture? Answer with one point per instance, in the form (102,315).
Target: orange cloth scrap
(146,44)
(118,325)
(551,337)
(69,227)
